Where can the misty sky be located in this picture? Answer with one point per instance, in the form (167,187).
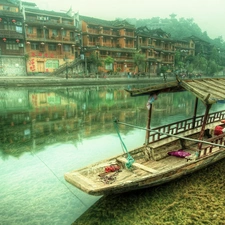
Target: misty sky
(208,14)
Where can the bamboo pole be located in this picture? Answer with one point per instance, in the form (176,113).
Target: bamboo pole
(148,125)
(171,135)
(195,113)
(203,125)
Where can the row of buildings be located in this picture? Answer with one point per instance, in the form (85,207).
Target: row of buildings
(33,40)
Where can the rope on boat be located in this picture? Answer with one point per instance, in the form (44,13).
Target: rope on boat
(130,159)
(171,135)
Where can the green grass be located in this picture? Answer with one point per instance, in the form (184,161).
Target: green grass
(198,198)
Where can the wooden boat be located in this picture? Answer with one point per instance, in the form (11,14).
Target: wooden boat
(152,164)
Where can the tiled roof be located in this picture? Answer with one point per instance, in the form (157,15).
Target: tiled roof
(205,89)
(100,22)
(8,2)
(11,14)
(28,3)
(46,12)
(156,32)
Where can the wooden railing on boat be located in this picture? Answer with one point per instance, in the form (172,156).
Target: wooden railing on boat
(184,125)
(207,149)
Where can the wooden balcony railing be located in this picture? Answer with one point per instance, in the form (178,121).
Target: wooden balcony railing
(51,38)
(10,34)
(106,32)
(130,34)
(93,31)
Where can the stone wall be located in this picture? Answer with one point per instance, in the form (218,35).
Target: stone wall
(12,66)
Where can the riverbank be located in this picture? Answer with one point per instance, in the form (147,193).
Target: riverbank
(41,81)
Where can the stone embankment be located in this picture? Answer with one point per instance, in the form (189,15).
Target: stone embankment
(56,82)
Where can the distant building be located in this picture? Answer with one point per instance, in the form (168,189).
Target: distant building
(109,38)
(158,48)
(12,59)
(33,40)
(52,39)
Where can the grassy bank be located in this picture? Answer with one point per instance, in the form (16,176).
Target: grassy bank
(198,198)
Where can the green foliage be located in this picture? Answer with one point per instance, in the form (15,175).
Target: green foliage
(139,61)
(109,60)
(179,28)
(26,56)
(164,69)
(94,60)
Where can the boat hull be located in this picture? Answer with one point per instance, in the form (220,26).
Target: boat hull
(147,181)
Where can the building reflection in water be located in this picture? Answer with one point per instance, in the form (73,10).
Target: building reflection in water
(31,119)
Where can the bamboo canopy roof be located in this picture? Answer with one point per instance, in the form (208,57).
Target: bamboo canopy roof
(208,90)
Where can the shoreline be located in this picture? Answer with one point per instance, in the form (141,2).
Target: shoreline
(56,82)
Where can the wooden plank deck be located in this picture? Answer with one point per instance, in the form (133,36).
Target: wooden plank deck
(138,165)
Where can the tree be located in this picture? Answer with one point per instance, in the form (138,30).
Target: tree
(200,63)
(139,61)
(109,63)
(109,60)
(95,61)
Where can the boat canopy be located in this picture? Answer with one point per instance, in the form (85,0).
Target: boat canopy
(208,90)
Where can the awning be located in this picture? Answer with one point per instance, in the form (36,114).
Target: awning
(208,90)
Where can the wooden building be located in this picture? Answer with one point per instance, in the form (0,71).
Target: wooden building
(109,38)
(12,60)
(158,48)
(52,39)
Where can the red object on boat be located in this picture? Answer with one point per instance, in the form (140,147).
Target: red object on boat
(218,130)
(112,168)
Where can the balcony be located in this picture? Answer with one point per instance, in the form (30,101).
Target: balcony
(115,33)
(107,45)
(108,32)
(129,34)
(10,34)
(34,37)
(49,23)
(93,31)
(129,46)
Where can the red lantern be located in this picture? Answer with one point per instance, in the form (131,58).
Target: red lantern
(4,39)
(13,21)
(17,40)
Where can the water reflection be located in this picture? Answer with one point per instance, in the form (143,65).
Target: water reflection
(45,133)
(31,119)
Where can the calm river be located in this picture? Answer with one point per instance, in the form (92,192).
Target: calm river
(47,132)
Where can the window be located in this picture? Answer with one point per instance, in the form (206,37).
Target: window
(9,26)
(30,30)
(34,46)
(11,45)
(42,18)
(6,7)
(52,64)
(52,47)
(54,32)
(19,29)
(66,48)
(63,33)
(13,9)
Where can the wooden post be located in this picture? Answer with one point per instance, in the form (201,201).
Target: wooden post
(148,125)
(203,125)
(195,113)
